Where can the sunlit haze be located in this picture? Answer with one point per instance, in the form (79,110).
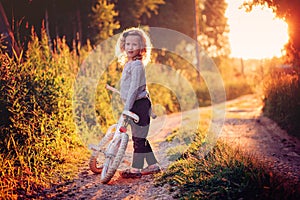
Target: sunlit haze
(256,34)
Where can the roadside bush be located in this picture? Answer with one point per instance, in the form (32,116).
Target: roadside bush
(282,100)
(38,140)
(237,88)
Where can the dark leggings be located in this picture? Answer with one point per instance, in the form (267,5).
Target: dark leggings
(141,146)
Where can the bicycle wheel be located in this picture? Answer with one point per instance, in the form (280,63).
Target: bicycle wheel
(112,162)
(97,158)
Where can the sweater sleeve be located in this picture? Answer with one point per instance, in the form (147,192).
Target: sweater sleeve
(137,72)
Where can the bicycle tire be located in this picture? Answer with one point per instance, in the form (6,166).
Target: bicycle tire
(121,148)
(93,163)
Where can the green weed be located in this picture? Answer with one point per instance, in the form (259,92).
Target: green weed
(282,100)
(224,173)
(38,139)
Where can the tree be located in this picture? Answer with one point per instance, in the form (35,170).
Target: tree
(176,15)
(288,10)
(59,18)
(103,21)
(136,12)
(213,27)
(77,20)
(179,15)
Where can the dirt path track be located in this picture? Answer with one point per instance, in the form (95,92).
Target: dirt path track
(247,128)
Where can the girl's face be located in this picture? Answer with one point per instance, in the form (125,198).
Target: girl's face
(132,46)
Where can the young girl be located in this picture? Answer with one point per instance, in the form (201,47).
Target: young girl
(133,50)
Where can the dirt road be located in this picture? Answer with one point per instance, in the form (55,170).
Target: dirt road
(244,127)
(247,128)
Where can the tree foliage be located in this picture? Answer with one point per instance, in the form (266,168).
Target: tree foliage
(96,20)
(213,27)
(288,10)
(136,12)
(103,21)
(179,15)
(76,20)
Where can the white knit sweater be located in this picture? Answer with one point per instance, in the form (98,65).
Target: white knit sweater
(133,83)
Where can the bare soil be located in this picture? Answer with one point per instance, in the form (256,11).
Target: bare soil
(244,127)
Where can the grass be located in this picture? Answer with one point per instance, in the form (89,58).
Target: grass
(222,173)
(39,144)
(282,99)
(32,171)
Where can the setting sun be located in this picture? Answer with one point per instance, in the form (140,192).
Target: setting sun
(257,34)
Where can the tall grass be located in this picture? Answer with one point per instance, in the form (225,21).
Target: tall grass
(282,99)
(38,139)
(224,173)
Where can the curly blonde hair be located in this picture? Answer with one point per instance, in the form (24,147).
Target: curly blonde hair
(145,44)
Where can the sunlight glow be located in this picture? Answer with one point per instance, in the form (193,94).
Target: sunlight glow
(257,34)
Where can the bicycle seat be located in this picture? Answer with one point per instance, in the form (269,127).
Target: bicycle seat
(131,115)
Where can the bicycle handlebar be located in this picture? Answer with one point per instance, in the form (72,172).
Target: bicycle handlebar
(112,89)
(131,115)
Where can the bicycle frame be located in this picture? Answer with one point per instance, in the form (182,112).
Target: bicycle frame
(112,153)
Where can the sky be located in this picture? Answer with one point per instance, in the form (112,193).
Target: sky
(257,34)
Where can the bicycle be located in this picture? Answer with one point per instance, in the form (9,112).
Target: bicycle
(112,146)
(107,155)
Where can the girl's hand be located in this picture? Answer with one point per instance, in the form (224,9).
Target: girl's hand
(112,89)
